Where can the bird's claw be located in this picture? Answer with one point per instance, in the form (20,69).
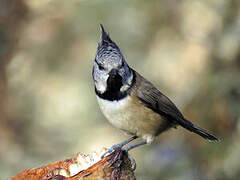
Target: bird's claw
(133,162)
(118,146)
(111,149)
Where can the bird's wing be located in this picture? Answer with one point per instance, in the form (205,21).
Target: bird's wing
(155,100)
(161,104)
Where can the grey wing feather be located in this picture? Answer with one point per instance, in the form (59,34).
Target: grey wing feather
(161,104)
(155,100)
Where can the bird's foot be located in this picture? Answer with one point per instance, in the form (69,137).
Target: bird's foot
(111,149)
(120,146)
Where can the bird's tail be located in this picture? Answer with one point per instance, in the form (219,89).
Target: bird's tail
(201,132)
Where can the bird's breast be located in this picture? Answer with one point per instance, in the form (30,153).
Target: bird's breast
(130,115)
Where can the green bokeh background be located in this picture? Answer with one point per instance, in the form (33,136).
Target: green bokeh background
(189,49)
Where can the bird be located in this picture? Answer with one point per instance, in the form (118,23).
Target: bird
(130,102)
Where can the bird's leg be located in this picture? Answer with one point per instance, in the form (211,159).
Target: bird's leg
(130,147)
(119,146)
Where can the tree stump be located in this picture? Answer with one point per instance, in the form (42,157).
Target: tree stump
(115,166)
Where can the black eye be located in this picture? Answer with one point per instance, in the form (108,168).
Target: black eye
(100,67)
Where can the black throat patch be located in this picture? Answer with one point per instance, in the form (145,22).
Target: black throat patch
(114,85)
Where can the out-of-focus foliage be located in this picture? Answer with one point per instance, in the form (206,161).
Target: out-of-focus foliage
(189,49)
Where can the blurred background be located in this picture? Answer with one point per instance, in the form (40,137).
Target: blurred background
(189,49)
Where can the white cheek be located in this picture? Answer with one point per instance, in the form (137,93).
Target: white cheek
(101,83)
(124,88)
(101,86)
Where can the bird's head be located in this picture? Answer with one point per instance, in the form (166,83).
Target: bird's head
(110,70)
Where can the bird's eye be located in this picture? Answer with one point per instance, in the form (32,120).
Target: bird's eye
(100,67)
